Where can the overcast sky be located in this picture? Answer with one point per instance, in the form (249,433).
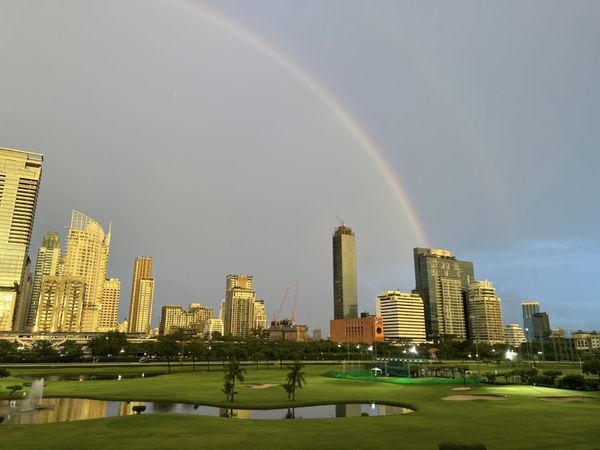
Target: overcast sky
(212,156)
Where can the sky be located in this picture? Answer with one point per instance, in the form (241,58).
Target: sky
(228,137)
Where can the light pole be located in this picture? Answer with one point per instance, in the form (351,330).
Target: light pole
(209,348)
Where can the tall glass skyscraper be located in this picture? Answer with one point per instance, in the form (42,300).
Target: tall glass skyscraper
(20,175)
(529,307)
(443,283)
(345,298)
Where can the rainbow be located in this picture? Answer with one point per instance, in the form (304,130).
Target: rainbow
(329,100)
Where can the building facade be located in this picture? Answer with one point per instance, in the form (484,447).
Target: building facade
(47,264)
(86,258)
(529,308)
(403,316)
(20,176)
(111,296)
(541,326)
(586,340)
(514,335)
(242,312)
(345,297)
(364,330)
(60,307)
(174,318)
(442,281)
(142,295)
(485,310)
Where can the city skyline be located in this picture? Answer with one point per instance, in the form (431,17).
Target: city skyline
(251,159)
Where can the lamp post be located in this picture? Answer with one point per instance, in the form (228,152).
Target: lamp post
(209,348)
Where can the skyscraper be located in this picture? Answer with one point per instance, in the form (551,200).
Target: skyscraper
(403,316)
(60,306)
(529,307)
(541,326)
(443,282)
(87,258)
(485,310)
(345,299)
(142,295)
(111,295)
(241,306)
(47,264)
(20,175)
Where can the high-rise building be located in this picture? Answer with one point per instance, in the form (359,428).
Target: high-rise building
(260,315)
(541,325)
(345,298)
(47,264)
(213,326)
(241,306)
(173,318)
(87,258)
(485,313)
(111,296)
(142,295)
(20,176)
(20,317)
(403,316)
(529,307)
(513,335)
(443,283)
(60,307)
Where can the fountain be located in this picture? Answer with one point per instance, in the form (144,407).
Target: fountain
(33,401)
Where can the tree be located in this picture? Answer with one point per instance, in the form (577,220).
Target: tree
(572,381)
(196,350)
(43,350)
(4,373)
(71,351)
(6,348)
(167,347)
(592,367)
(108,344)
(233,372)
(295,378)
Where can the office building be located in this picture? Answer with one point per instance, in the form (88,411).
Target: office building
(403,316)
(86,258)
(20,176)
(213,326)
(485,313)
(60,307)
(586,340)
(529,308)
(47,264)
(541,326)
(442,281)
(364,330)
(111,296)
(242,312)
(345,298)
(513,335)
(142,296)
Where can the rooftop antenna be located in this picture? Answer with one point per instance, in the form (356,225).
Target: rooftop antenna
(340,221)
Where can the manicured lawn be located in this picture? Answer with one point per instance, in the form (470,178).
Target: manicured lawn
(521,422)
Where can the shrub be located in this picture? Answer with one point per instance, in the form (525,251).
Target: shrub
(14,388)
(552,374)
(541,380)
(4,373)
(138,409)
(461,445)
(572,381)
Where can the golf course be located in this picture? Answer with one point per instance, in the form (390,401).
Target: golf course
(521,420)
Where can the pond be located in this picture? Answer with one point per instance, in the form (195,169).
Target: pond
(67,409)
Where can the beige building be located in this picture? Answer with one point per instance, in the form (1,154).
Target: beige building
(20,176)
(242,312)
(403,316)
(174,318)
(60,307)
(485,313)
(47,264)
(87,258)
(142,295)
(213,326)
(111,296)
(586,340)
(514,335)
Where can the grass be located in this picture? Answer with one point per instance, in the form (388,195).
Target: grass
(521,422)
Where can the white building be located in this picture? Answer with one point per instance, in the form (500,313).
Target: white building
(403,316)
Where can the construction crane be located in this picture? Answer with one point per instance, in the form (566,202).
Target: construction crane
(293,316)
(275,320)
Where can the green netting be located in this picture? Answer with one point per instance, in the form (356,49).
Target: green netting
(403,380)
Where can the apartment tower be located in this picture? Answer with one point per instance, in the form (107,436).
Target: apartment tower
(485,310)
(142,296)
(345,298)
(111,296)
(403,316)
(443,283)
(242,312)
(20,176)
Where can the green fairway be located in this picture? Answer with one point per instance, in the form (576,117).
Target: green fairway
(520,422)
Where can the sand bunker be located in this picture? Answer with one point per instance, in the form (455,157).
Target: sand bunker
(566,399)
(260,386)
(460,388)
(473,397)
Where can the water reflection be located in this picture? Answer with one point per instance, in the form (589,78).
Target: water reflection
(67,409)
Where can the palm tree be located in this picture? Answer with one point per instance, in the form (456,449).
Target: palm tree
(234,372)
(295,378)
